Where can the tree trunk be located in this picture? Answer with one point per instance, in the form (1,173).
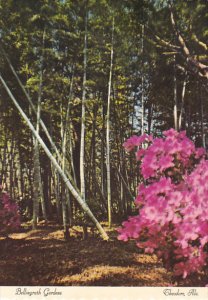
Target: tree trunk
(20,166)
(66,180)
(202,117)
(35,185)
(182,102)
(82,141)
(57,194)
(150,113)
(65,137)
(102,161)
(41,122)
(38,188)
(175,108)
(42,200)
(108,132)
(142,102)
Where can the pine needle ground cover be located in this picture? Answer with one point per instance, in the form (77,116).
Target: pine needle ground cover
(42,257)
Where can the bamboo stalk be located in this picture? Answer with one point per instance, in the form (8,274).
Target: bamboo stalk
(66,180)
(35,111)
(108,132)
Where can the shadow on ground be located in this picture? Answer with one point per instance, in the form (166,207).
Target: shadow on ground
(42,257)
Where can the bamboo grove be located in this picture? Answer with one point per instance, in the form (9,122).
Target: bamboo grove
(79,77)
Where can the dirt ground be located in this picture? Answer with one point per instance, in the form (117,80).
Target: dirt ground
(42,257)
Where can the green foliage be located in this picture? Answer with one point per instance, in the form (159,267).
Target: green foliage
(51,34)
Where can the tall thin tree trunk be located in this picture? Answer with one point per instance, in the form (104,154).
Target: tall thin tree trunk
(38,188)
(82,141)
(20,167)
(11,157)
(64,212)
(103,181)
(67,123)
(66,205)
(108,131)
(36,171)
(65,139)
(175,108)
(142,102)
(102,163)
(150,113)
(65,179)
(35,184)
(42,200)
(63,192)
(57,193)
(189,121)
(202,118)
(182,102)
(72,156)
(35,111)
(93,152)
(4,162)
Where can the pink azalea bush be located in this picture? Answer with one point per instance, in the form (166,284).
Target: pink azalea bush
(9,216)
(172,201)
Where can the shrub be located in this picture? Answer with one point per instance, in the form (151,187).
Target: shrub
(9,216)
(172,201)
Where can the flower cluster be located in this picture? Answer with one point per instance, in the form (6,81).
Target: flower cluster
(172,202)
(9,216)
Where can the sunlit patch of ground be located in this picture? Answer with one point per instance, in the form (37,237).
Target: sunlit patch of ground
(42,257)
(115,276)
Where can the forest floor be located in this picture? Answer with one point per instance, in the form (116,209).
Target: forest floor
(42,257)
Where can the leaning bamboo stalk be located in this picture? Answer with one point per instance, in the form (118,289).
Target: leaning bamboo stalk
(60,159)
(55,163)
(35,111)
(30,101)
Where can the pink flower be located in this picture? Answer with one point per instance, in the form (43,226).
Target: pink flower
(172,220)
(170,133)
(199,152)
(140,153)
(132,142)
(9,215)
(182,134)
(136,141)
(166,162)
(148,172)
